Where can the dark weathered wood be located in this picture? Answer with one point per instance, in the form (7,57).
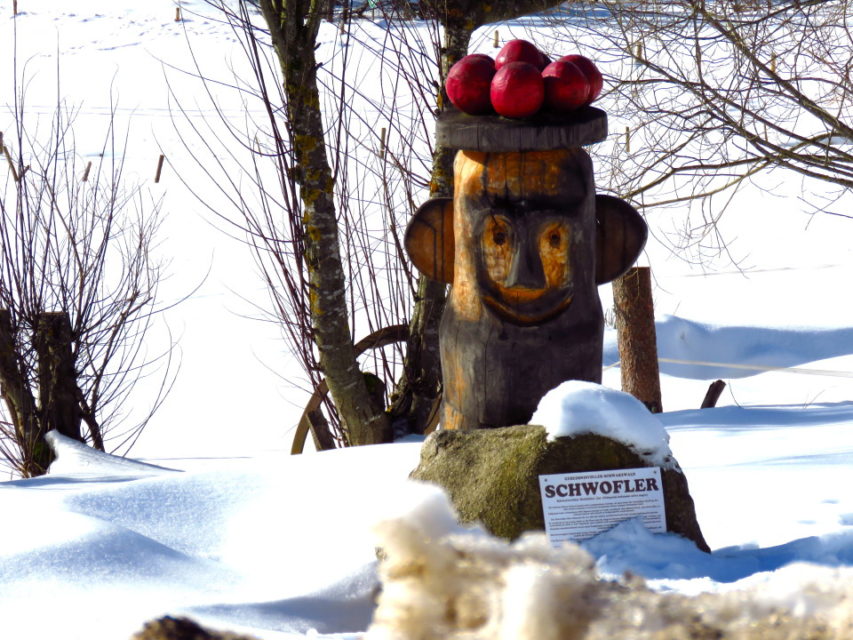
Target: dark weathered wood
(416,399)
(523,315)
(320,431)
(636,337)
(496,373)
(715,390)
(542,132)
(621,235)
(529,244)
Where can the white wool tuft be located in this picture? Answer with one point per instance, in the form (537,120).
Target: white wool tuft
(470,585)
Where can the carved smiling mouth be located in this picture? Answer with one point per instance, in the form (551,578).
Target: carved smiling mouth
(526,306)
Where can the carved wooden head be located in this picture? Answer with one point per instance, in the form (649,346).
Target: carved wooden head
(524,234)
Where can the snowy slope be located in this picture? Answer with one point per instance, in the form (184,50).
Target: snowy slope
(247,537)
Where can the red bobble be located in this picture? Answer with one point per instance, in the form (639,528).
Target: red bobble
(521,80)
(469,82)
(593,75)
(519,51)
(566,86)
(518,90)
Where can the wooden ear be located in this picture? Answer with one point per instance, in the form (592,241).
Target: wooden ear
(429,239)
(621,235)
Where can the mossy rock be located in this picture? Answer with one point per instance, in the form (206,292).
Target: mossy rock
(492,475)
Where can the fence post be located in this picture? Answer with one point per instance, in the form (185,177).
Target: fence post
(636,337)
(159,168)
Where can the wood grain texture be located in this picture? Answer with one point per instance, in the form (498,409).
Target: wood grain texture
(621,234)
(508,337)
(541,132)
(637,339)
(429,239)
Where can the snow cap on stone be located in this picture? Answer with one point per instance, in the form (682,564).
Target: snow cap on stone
(576,407)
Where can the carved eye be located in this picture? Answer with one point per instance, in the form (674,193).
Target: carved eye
(554,239)
(497,247)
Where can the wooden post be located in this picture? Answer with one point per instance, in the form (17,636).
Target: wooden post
(627,139)
(14,7)
(523,313)
(636,337)
(382,134)
(86,172)
(177,14)
(497,40)
(159,168)
(715,390)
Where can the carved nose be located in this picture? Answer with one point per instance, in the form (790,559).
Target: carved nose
(527,271)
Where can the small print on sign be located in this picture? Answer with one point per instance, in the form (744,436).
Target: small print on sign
(578,506)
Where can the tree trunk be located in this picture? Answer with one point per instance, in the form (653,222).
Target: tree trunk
(19,401)
(58,392)
(637,340)
(475,13)
(415,408)
(293,27)
(57,376)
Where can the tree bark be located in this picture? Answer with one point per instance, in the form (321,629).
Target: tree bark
(57,376)
(415,408)
(470,14)
(293,27)
(19,400)
(637,340)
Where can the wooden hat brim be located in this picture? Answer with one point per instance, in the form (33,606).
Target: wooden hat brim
(542,132)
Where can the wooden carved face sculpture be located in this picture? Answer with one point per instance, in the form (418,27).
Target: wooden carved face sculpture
(521,218)
(524,243)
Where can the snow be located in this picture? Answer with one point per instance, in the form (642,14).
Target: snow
(217,522)
(576,407)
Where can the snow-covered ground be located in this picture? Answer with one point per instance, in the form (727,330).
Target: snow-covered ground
(251,538)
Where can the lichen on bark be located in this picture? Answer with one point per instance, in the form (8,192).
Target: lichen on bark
(293,28)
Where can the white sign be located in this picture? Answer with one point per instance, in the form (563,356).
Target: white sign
(578,506)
